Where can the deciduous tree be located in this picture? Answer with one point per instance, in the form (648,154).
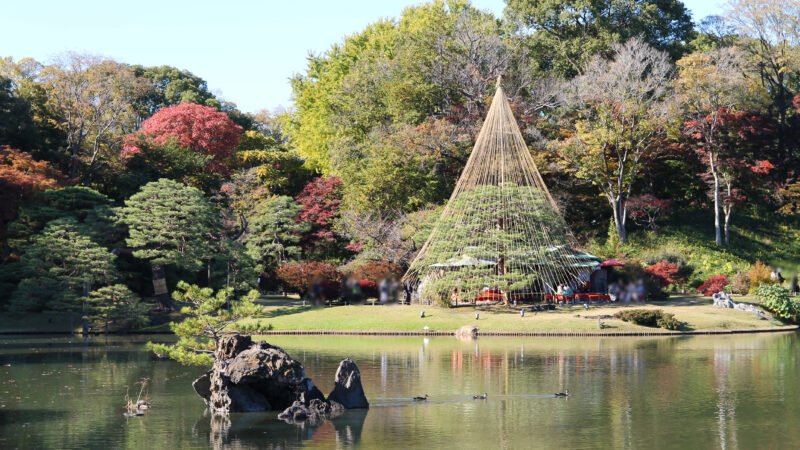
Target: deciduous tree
(201,129)
(621,115)
(710,85)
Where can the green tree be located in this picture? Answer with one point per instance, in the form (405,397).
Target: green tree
(514,257)
(274,233)
(169,223)
(170,86)
(85,205)
(116,307)
(563,36)
(207,317)
(91,100)
(61,266)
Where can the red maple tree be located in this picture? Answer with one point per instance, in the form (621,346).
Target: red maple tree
(321,199)
(715,283)
(647,209)
(200,128)
(664,272)
(301,276)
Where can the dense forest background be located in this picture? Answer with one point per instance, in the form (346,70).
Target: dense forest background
(662,139)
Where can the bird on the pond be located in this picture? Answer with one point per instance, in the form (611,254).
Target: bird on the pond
(562,394)
(481,397)
(421,399)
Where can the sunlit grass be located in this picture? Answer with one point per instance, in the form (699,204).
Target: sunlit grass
(697,311)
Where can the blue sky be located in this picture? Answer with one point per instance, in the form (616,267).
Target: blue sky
(245,49)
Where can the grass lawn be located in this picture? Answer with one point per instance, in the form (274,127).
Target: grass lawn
(291,315)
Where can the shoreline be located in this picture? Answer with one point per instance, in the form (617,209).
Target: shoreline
(526,333)
(439,333)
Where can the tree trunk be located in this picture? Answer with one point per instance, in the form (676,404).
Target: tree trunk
(160,287)
(717,229)
(619,221)
(727,219)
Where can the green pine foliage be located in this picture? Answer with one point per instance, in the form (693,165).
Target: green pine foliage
(116,308)
(57,264)
(169,223)
(82,204)
(478,235)
(274,233)
(208,315)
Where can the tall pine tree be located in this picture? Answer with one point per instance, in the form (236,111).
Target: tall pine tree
(169,223)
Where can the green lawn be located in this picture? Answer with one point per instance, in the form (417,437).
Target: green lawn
(697,311)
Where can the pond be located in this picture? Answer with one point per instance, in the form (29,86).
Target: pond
(740,391)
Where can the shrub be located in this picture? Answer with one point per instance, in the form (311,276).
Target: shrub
(301,276)
(644,317)
(741,283)
(664,272)
(716,283)
(650,318)
(669,322)
(685,270)
(759,274)
(377,270)
(330,288)
(368,288)
(775,298)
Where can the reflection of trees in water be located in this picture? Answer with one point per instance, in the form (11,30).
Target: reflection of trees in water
(265,430)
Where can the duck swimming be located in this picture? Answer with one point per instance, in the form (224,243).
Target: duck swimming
(562,394)
(421,399)
(481,397)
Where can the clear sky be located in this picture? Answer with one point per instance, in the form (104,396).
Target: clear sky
(245,49)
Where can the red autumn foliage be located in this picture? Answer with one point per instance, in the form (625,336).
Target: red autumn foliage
(664,272)
(330,288)
(377,270)
(301,276)
(647,209)
(202,129)
(368,288)
(715,283)
(20,177)
(320,199)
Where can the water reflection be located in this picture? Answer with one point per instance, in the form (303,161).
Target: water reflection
(245,431)
(724,392)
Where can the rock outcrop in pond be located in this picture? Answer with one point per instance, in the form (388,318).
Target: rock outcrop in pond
(252,376)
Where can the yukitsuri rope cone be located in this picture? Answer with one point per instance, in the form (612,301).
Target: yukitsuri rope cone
(501,236)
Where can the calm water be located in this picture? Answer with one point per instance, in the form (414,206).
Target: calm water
(692,392)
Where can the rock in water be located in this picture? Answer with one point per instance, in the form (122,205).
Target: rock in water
(467,332)
(315,411)
(347,389)
(252,376)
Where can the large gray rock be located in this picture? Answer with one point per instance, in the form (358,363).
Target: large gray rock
(723,300)
(252,376)
(315,411)
(347,389)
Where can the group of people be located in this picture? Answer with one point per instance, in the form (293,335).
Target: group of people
(626,293)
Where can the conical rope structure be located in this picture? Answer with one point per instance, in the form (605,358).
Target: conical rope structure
(501,235)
